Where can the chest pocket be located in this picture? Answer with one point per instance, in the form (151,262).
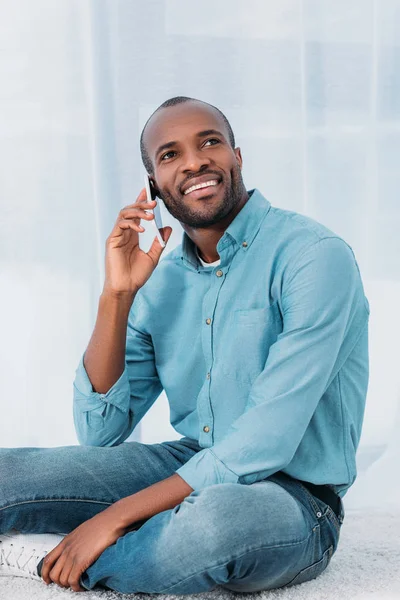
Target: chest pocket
(251,332)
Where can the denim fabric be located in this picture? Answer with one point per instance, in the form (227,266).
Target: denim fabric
(242,537)
(263,358)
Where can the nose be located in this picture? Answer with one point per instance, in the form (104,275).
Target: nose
(194,161)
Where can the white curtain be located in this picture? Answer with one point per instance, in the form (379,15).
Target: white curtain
(312,90)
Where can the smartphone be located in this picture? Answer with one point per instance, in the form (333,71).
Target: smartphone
(157,221)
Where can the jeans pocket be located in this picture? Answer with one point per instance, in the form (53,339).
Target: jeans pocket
(334,520)
(313,570)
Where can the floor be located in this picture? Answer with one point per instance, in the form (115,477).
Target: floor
(366,566)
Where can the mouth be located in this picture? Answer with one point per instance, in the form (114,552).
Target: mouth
(203,189)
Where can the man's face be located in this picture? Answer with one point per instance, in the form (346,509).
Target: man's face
(188,145)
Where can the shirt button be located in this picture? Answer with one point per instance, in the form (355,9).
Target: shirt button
(208,321)
(244,244)
(219,273)
(206,429)
(208,375)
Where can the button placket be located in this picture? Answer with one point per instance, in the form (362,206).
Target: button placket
(204,403)
(209,304)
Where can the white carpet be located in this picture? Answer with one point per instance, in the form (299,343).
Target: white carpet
(366,566)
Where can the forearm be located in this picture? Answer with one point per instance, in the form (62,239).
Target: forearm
(163,495)
(104,358)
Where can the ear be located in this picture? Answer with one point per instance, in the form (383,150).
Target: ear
(238,155)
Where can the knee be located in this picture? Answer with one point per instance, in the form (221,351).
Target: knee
(229,512)
(214,515)
(10,474)
(18,473)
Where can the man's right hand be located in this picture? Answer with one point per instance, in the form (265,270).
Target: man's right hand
(127,267)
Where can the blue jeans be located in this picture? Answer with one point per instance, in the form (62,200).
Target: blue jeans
(244,538)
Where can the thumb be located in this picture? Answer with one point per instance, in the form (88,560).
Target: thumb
(156,249)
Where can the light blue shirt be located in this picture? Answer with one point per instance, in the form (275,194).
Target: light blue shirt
(263,358)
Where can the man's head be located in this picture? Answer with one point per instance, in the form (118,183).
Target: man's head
(186,143)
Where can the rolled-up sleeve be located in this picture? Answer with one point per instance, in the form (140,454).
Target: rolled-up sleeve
(324,312)
(109,419)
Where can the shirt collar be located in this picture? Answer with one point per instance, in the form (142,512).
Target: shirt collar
(241,231)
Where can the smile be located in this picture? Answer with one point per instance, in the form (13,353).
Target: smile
(199,186)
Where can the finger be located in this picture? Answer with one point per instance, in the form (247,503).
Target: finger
(58,569)
(123,223)
(74,578)
(139,206)
(49,561)
(126,224)
(64,576)
(136,212)
(130,223)
(156,249)
(142,195)
(141,200)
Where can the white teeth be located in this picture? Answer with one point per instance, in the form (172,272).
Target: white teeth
(200,185)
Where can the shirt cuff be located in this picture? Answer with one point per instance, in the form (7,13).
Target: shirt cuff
(86,399)
(205,469)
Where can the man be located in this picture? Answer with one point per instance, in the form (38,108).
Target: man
(256,327)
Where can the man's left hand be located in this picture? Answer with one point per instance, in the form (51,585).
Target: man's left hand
(79,549)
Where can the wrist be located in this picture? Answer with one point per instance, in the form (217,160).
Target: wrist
(123,519)
(109,295)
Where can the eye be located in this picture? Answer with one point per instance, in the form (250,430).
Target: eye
(167,155)
(212,141)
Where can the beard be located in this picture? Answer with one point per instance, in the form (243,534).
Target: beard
(208,213)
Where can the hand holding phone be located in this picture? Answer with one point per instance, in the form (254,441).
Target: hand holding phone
(127,266)
(157,221)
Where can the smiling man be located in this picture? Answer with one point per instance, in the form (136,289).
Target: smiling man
(207,192)
(256,327)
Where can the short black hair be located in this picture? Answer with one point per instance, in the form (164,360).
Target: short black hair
(173,102)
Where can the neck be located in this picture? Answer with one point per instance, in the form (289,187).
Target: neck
(207,239)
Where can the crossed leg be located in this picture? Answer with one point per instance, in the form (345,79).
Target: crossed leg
(245,538)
